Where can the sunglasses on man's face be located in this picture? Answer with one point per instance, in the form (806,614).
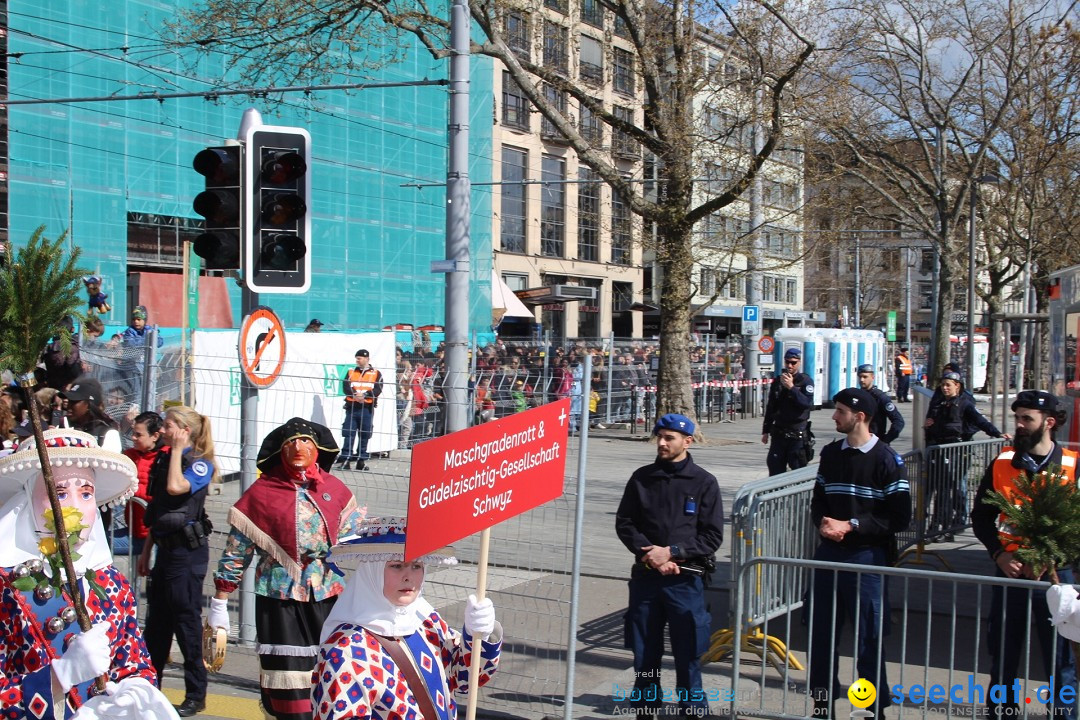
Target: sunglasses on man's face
(793,361)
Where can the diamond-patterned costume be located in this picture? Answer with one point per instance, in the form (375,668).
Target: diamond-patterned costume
(356,679)
(26,652)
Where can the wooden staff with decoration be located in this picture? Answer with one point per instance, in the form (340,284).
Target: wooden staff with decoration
(39,287)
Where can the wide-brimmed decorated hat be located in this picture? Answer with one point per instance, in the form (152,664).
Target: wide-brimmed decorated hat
(383,540)
(115,476)
(270,452)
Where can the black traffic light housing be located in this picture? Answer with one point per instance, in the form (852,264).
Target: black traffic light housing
(277,233)
(220,204)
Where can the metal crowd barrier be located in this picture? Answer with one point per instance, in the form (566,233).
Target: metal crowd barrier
(771,517)
(936,635)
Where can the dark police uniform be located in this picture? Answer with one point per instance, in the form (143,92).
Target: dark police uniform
(180,530)
(887,414)
(955,420)
(676,505)
(786,416)
(868,487)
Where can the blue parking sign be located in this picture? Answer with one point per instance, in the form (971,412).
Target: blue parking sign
(750,313)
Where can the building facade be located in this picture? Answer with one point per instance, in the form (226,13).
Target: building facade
(118,175)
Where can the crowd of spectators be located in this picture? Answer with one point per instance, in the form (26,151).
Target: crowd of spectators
(510,376)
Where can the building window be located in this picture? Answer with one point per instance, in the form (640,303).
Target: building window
(622,29)
(620,230)
(707,281)
(926,266)
(559,5)
(591,64)
(589,311)
(621,142)
(516,281)
(926,296)
(557,99)
(592,128)
(592,13)
(768,288)
(555,44)
(515,165)
(553,206)
(158,240)
(791,291)
(516,29)
(623,79)
(588,200)
(515,105)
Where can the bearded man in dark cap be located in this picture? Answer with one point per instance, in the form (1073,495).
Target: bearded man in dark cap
(289,518)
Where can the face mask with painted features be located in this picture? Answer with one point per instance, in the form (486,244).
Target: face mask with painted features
(75,488)
(300,453)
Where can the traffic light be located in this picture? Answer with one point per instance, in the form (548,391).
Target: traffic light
(219,204)
(277,235)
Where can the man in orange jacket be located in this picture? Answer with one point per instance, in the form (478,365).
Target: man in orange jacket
(1017,613)
(362,386)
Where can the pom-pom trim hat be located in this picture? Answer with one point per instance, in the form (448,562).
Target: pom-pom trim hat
(115,476)
(383,540)
(270,451)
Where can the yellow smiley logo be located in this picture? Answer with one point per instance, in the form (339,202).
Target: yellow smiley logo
(862,693)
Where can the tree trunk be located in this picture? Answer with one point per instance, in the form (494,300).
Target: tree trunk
(943,324)
(674,393)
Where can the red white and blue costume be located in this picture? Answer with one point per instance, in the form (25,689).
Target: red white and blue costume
(356,678)
(37,626)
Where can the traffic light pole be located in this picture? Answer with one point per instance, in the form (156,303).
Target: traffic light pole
(457,224)
(249,414)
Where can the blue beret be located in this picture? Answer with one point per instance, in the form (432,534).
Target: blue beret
(858,400)
(792,353)
(676,422)
(865,369)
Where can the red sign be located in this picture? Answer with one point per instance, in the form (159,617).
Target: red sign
(765,344)
(467,481)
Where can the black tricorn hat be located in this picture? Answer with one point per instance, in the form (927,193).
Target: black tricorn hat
(270,452)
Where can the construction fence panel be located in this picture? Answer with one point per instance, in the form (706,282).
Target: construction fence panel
(952,477)
(936,634)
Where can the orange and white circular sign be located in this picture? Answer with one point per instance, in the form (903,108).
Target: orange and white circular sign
(262,347)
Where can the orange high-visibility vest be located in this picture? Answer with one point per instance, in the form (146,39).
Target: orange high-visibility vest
(362,381)
(905,364)
(1005,476)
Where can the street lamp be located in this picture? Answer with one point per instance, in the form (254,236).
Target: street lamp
(974,198)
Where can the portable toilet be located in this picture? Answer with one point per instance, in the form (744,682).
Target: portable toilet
(836,371)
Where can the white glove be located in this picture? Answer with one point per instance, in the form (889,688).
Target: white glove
(1064,608)
(479,617)
(133,698)
(218,617)
(88,655)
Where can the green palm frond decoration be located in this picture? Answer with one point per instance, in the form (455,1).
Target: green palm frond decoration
(1045,511)
(40,285)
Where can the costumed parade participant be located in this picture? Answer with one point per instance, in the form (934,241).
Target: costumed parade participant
(386,652)
(49,665)
(290,517)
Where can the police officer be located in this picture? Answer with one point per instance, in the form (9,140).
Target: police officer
(179,528)
(671,518)
(1016,614)
(886,413)
(791,398)
(861,500)
(902,365)
(362,385)
(951,418)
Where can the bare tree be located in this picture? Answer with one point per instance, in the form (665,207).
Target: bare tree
(706,77)
(926,89)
